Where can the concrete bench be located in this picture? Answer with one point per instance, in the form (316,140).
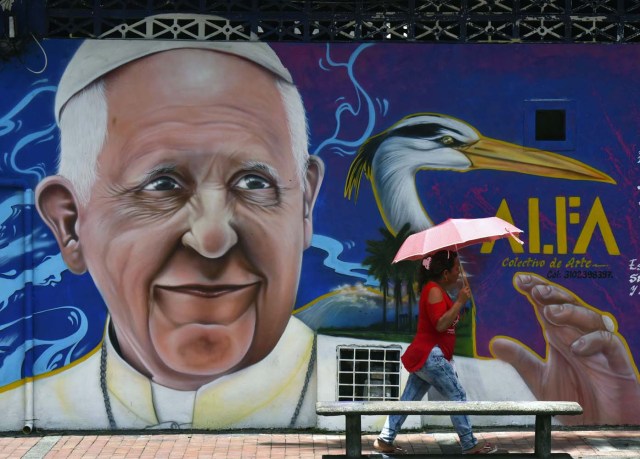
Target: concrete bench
(543,411)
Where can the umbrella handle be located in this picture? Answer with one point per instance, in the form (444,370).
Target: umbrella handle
(465,283)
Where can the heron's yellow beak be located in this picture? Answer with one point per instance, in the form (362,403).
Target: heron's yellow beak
(494,154)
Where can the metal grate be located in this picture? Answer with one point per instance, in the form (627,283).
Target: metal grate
(476,21)
(368,373)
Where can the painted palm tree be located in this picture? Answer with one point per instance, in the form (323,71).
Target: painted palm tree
(379,264)
(379,260)
(399,273)
(408,273)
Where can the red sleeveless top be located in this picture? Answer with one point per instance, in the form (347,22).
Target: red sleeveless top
(427,336)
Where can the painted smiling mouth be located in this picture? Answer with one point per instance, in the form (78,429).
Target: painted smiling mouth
(206,291)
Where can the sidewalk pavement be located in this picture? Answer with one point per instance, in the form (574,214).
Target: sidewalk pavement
(590,444)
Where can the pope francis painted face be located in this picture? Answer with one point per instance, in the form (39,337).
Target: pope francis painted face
(195,225)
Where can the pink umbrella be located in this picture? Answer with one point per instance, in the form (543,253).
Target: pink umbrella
(454,234)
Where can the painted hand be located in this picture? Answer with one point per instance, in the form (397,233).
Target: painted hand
(587,359)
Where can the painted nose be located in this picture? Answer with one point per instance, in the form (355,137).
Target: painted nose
(211,232)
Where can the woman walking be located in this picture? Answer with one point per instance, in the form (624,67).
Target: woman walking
(428,357)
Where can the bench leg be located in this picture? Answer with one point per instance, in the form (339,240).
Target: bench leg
(353,438)
(543,436)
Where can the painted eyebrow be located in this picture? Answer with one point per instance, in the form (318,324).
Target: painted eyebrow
(261,167)
(161,169)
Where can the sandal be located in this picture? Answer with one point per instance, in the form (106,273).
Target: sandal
(484,448)
(387,448)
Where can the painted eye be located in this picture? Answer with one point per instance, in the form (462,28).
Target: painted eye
(253,182)
(257,190)
(162,183)
(447,140)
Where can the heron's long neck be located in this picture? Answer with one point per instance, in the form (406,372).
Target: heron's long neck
(394,185)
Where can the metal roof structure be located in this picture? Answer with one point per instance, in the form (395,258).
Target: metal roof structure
(435,21)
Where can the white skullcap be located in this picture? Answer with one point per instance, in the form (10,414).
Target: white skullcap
(96,58)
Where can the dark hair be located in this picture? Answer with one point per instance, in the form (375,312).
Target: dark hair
(433,266)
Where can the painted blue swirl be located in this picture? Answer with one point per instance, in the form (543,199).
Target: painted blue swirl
(10,123)
(363,106)
(47,350)
(333,249)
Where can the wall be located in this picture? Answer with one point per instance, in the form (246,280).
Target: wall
(556,318)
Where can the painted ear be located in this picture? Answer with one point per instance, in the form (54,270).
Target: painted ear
(58,207)
(313,181)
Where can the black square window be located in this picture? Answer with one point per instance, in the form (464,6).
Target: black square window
(551,125)
(368,372)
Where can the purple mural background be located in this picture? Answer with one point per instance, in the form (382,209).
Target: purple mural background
(352,92)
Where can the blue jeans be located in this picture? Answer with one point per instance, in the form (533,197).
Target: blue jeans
(439,373)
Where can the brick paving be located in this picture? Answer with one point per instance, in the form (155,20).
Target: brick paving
(592,444)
